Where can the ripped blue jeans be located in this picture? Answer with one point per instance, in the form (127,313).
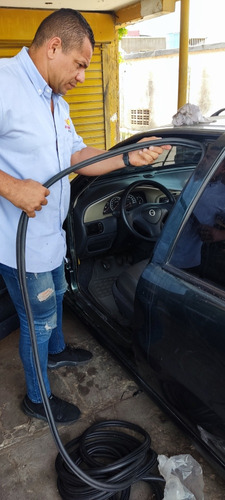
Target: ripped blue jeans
(46,292)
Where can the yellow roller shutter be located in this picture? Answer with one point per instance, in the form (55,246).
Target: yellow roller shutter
(94,105)
(87,104)
(85,101)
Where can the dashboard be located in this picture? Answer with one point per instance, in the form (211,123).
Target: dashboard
(98,226)
(133,200)
(97,218)
(111,205)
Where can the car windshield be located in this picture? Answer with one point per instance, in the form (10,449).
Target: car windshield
(178,156)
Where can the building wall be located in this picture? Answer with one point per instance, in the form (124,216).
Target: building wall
(150,82)
(137,44)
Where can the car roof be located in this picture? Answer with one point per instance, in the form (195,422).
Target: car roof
(213,124)
(210,129)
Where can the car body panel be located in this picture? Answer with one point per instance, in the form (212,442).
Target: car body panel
(8,317)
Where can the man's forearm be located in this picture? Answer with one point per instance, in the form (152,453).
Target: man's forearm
(28,195)
(143,156)
(7,184)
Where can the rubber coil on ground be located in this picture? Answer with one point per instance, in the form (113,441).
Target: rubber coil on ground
(114,452)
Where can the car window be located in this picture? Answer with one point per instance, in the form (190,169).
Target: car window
(200,249)
(179,156)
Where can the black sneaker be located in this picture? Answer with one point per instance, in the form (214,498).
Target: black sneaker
(62,411)
(69,357)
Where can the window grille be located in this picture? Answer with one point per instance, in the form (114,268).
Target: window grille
(196,41)
(140,116)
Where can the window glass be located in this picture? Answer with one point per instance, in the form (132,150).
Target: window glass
(200,248)
(179,156)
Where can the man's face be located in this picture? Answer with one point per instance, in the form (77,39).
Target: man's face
(68,68)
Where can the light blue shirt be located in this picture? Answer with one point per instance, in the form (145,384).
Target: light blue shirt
(34,145)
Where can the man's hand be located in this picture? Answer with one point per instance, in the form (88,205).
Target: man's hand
(146,156)
(28,195)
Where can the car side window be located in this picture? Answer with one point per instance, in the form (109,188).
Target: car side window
(200,249)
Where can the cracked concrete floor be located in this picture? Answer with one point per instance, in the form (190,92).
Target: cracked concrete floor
(103,391)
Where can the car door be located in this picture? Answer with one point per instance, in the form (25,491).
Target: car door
(181,296)
(9,320)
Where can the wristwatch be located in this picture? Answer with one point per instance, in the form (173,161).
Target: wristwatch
(126,160)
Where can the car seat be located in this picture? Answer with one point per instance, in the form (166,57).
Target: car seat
(124,288)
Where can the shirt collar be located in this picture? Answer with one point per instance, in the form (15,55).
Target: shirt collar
(33,74)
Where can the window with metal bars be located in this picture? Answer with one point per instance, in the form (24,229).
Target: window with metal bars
(140,116)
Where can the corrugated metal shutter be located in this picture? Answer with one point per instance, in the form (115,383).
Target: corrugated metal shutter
(86,101)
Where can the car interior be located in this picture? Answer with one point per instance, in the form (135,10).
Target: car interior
(116,221)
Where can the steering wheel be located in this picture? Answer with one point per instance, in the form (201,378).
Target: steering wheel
(146,220)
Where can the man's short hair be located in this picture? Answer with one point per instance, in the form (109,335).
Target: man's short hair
(67,24)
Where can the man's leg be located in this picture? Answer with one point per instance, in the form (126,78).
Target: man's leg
(61,354)
(56,341)
(42,297)
(43,305)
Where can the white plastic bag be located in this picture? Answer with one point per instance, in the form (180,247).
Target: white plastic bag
(189,114)
(183,476)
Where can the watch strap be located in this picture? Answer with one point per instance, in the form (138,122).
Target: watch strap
(126,160)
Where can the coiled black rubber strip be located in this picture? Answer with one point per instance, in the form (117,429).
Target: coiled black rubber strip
(112,451)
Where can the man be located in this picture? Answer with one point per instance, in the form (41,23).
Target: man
(38,139)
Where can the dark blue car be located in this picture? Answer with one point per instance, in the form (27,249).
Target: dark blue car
(146,273)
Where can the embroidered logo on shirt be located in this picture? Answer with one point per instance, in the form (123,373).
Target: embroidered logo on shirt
(67,122)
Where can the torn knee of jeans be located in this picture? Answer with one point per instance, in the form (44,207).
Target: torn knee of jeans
(48,326)
(51,323)
(43,328)
(45,295)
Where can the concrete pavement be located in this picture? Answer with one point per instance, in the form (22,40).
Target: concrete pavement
(102,390)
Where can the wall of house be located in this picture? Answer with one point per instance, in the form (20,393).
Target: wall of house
(150,82)
(142,44)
